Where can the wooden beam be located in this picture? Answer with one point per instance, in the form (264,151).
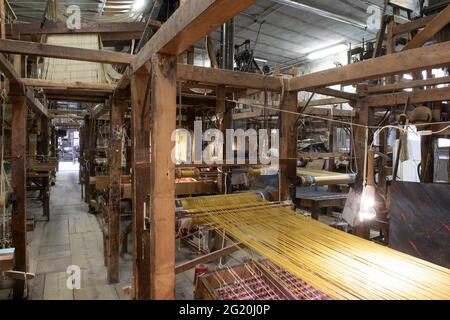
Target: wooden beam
(162,196)
(8,69)
(91,153)
(62,52)
(35,104)
(53,112)
(117,119)
(408,84)
(400,98)
(10,11)
(140,131)
(70,98)
(208,258)
(2,19)
(20,30)
(230,78)
(436,25)
(18,88)
(415,59)
(43,149)
(412,26)
(336,93)
(323,102)
(191,22)
(77,92)
(288,145)
(18,183)
(48,84)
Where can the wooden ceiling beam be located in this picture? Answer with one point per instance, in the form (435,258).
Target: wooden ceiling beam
(413,25)
(415,59)
(48,84)
(436,25)
(407,85)
(323,102)
(77,92)
(19,30)
(401,98)
(336,93)
(235,79)
(62,52)
(70,98)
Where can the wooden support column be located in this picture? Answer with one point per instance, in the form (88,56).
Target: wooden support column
(2,20)
(86,164)
(288,145)
(140,132)
(54,147)
(91,166)
(18,174)
(117,114)
(162,197)
(448,163)
(44,145)
(82,158)
(427,152)
(221,107)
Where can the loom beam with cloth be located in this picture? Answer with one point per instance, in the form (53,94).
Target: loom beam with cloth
(192,181)
(339,265)
(311,177)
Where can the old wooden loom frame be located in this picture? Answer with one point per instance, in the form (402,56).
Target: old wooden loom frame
(154,70)
(339,264)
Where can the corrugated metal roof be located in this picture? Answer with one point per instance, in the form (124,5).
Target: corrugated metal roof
(287,35)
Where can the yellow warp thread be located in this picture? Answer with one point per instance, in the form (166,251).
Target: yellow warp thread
(339,264)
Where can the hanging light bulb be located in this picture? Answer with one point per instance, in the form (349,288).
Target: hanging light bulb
(139,5)
(368,201)
(367,207)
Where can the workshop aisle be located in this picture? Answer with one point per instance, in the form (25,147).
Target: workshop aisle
(71,237)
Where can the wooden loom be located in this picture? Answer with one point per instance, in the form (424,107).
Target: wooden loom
(340,265)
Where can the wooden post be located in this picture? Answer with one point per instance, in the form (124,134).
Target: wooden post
(162,197)
(382,179)
(390,45)
(427,152)
(54,147)
(448,163)
(18,169)
(43,150)
(288,145)
(140,132)
(82,157)
(117,113)
(221,107)
(91,167)
(2,19)
(87,138)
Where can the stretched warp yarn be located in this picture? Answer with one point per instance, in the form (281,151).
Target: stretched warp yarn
(338,264)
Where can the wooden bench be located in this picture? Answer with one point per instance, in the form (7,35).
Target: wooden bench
(316,200)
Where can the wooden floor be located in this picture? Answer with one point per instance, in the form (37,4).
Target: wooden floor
(72,237)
